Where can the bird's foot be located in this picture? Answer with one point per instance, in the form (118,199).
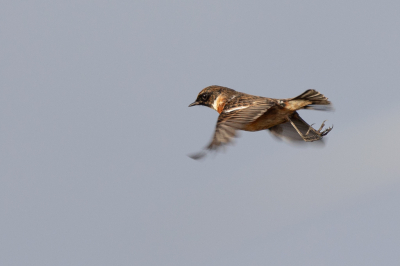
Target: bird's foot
(318,134)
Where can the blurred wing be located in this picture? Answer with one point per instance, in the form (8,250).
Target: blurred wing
(287,132)
(231,120)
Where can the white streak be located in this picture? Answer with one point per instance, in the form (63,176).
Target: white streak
(215,106)
(235,108)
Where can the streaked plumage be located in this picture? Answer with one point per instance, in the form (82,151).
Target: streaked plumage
(241,111)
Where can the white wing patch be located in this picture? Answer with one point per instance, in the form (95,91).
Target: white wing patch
(235,108)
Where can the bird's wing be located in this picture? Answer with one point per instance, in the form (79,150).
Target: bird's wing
(231,120)
(287,132)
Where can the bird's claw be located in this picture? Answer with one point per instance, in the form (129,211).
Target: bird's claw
(319,133)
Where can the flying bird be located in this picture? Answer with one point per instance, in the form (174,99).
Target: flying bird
(241,111)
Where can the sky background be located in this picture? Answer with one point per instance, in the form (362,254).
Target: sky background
(95,132)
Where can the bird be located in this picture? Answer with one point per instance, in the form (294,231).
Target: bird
(241,111)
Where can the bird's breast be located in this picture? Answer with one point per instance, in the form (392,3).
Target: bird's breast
(272,117)
(219,103)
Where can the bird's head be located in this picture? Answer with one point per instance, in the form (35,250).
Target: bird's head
(213,97)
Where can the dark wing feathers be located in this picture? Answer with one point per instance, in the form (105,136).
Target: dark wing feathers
(240,118)
(230,121)
(223,135)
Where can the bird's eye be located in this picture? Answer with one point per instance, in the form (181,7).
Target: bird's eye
(204,97)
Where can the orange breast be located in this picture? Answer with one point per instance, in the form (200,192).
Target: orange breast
(219,103)
(272,117)
(220,107)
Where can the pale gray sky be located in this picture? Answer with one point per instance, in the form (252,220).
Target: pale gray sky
(95,132)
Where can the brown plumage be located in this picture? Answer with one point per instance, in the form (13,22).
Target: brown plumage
(241,111)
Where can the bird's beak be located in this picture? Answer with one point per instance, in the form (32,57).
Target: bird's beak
(193,104)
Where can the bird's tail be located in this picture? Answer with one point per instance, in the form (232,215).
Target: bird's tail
(310,99)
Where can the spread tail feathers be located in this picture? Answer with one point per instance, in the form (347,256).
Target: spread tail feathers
(311,99)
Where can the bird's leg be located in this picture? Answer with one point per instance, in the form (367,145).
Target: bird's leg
(298,131)
(322,126)
(309,129)
(326,131)
(317,133)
